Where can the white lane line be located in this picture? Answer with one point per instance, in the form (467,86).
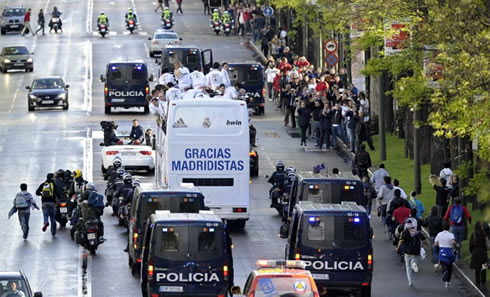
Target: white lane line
(88,156)
(147,49)
(14,99)
(90,11)
(87,96)
(136,13)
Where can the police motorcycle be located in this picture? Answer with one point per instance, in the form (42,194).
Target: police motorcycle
(216,21)
(55,22)
(124,198)
(88,227)
(113,185)
(130,21)
(228,23)
(167,19)
(62,204)
(103,24)
(276,191)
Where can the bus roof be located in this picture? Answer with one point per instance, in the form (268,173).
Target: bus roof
(345,206)
(341,176)
(183,187)
(209,102)
(203,216)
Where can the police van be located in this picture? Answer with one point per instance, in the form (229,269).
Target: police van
(206,142)
(126,84)
(250,75)
(334,240)
(186,255)
(148,199)
(324,188)
(192,57)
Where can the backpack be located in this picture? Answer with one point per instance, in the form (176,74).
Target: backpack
(20,201)
(363,159)
(96,200)
(48,190)
(457,214)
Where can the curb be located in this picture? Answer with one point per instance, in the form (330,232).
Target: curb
(458,271)
(257,50)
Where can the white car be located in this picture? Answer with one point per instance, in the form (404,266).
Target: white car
(161,39)
(133,157)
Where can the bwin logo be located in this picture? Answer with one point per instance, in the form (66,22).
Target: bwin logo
(233,123)
(126,93)
(179,124)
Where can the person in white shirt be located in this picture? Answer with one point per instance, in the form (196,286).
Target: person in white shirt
(225,76)
(396,185)
(232,92)
(183,76)
(271,73)
(173,93)
(445,240)
(198,79)
(447,174)
(166,78)
(214,78)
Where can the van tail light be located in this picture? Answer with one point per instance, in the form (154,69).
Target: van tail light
(106,91)
(263,92)
(154,295)
(366,284)
(253,154)
(221,295)
(91,231)
(297,255)
(150,269)
(111,153)
(239,209)
(370,260)
(145,153)
(147,90)
(225,271)
(261,104)
(135,234)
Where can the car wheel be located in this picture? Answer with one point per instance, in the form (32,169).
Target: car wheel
(4,70)
(65,107)
(152,55)
(3,32)
(107,110)
(30,107)
(151,171)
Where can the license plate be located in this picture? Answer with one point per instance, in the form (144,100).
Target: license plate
(171,289)
(128,153)
(63,210)
(91,236)
(19,64)
(118,100)
(48,102)
(321,276)
(102,30)
(14,26)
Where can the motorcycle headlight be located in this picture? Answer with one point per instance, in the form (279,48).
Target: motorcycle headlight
(29,60)
(61,96)
(33,97)
(6,61)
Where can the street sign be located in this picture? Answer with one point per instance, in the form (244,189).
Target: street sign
(330,46)
(268,11)
(331,59)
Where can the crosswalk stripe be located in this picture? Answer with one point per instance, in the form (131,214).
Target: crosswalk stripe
(123,33)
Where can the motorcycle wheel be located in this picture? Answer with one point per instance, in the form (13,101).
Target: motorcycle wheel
(92,250)
(56,30)
(227,33)
(63,223)
(217,32)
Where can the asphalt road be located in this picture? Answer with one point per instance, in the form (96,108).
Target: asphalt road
(33,144)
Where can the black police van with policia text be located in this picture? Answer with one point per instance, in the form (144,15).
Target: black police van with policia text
(148,199)
(334,240)
(126,84)
(324,188)
(186,254)
(192,57)
(250,75)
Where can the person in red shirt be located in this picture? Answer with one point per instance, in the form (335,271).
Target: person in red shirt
(27,23)
(285,66)
(322,86)
(401,213)
(456,215)
(302,62)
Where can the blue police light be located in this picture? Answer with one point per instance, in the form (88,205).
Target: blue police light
(211,229)
(114,68)
(138,67)
(357,220)
(311,219)
(165,229)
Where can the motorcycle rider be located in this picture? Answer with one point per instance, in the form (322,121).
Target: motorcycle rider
(227,19)
(130,15)
(277,180)
(111,173)
(215,16)
(102,19)
(55,14)
(94,202)
(167,14)
(114,183)
(126,190)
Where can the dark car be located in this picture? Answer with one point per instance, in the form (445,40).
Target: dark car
(12,19)
(16,57)
(14,284)
(48,92)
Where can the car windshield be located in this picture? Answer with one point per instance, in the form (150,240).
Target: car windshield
(175,203)
(283,287)
(179,243)
(334,192)
(14,12)
(15,51)
(48,83)
(248,75)
(127,74)
(326,232)
(166,36)
(189,58)
(13,287)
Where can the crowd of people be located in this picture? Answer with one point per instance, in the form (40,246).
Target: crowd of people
(447,223)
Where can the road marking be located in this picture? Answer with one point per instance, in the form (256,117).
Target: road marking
(88,156)
(108,33)
(143,33)
(90,11)
(84,273)
(87,96)
(14,99)
(147,49)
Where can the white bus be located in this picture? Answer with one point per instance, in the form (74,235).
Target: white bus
(206,143)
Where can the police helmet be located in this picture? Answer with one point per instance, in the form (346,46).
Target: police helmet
(166,7)
(116,162)
(291,169)
(226,12)
(90,187)
(55,8)
(59,173)
(127,178)
(67,174)
(280,166)
(120,172)
(215,10)
(101,12)
(77,173)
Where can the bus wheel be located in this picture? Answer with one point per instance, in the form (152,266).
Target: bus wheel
(107,110)
(366,291)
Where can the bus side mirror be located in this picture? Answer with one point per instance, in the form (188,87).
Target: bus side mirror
(283,231)
(235,290)
(102,78)
(152,78)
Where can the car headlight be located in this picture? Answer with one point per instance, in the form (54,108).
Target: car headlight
(6,61)
(61,96)
(29,60)
(33,97)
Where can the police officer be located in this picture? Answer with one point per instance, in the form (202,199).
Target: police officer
(114,181)
(227,17)
(126,190)
(215,17)
(137,134)
(102,19)
(99,207)
(167,14)
(111,173)
(277,181)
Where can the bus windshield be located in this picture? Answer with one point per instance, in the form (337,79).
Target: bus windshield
(247,75)
(334,192)
(327,232)
(189,58)
(181,243)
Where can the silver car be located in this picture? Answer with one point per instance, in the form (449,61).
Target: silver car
(16,57)
(161,39)
(12,19)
